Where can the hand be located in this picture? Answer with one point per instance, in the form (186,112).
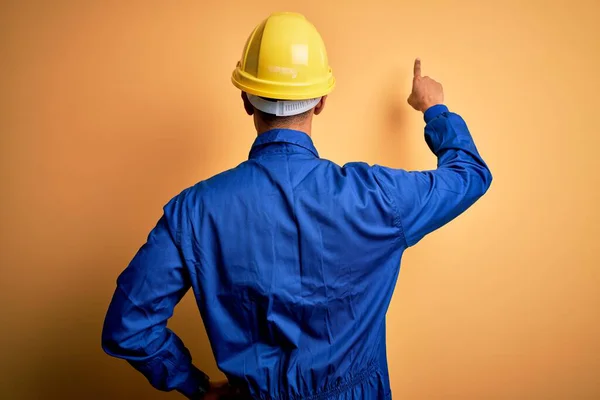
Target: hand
(217,389)
(425,91)
(221,390)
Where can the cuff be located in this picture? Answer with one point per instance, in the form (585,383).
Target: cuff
(434,112)
(191,387)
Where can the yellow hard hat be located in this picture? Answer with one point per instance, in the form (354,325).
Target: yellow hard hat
(284,58)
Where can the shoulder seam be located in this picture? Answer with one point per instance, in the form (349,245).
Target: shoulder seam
(397,219)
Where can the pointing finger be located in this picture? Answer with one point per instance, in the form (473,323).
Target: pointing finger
(417,68)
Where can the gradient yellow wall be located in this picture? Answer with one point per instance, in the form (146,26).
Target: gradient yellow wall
(108,109)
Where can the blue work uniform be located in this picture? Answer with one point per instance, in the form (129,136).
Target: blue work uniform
(293,260)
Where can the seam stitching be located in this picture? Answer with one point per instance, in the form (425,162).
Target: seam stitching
(397,220)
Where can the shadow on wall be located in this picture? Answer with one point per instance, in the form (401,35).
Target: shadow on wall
(395,139)
(70,363)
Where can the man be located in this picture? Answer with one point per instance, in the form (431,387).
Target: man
(292,259)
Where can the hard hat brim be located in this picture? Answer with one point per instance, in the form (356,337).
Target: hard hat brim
(279,91)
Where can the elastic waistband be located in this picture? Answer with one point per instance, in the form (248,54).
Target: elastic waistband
(357,380)
(330,391)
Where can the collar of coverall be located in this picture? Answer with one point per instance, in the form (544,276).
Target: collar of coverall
(262,143)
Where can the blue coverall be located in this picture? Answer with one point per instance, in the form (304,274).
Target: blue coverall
(293,261)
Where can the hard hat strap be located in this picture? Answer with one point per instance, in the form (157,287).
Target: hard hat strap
(282,108)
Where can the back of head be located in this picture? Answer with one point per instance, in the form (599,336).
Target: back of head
(284,71)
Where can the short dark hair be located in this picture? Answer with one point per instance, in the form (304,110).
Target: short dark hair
(274,120)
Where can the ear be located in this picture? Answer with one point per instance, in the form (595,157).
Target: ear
(319,107)
(247,105)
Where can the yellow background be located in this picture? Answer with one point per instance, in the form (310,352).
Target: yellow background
(108,109)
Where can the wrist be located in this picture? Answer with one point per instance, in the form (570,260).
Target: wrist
(430,105)
(196,386)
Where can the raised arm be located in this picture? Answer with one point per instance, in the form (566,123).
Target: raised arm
(427,200)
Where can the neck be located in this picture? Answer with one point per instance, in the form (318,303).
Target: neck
(302,126)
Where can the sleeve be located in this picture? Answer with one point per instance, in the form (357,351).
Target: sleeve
(427,200)
(135,328)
